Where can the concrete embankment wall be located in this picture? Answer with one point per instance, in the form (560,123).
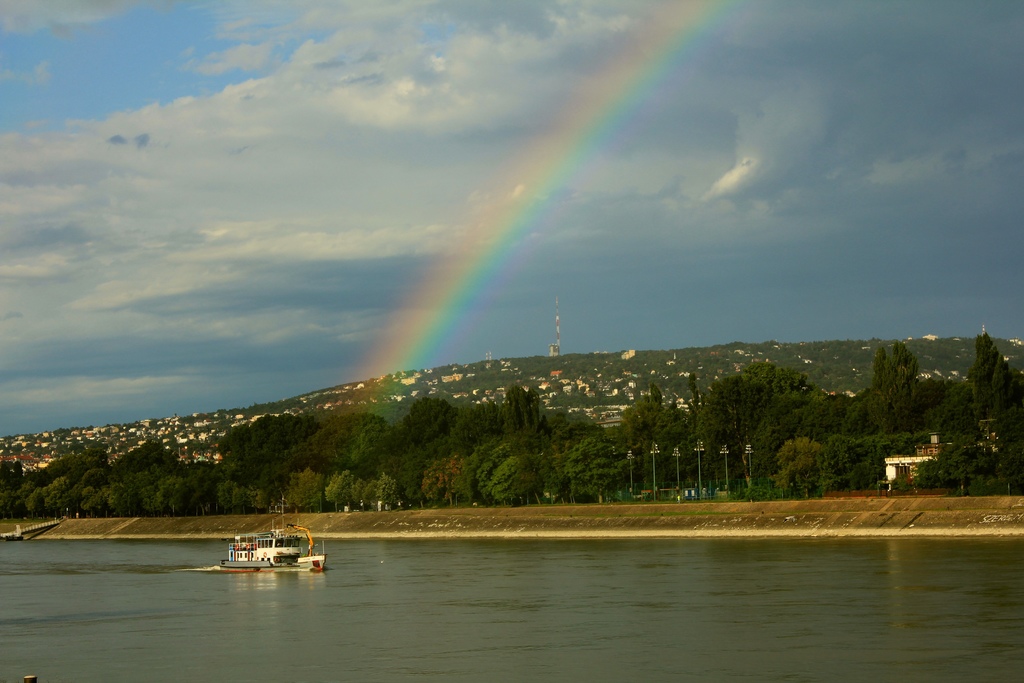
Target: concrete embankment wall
(996,516)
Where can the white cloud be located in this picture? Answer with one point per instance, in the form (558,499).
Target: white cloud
(733,179)
(71,390)
(40,75)
(44,267)
(242,57)
(20,16)
(902,171)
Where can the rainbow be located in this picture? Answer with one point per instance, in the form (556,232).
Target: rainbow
(597,119)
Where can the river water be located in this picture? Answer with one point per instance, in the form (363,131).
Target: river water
(464,610)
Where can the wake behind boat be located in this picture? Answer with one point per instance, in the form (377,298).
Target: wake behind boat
(273,550)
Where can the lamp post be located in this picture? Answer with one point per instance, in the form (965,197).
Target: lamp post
(654,472)
(700,486)
(725,452)
(629,457)
(679,488)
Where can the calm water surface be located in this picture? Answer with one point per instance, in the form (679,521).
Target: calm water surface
(802,610)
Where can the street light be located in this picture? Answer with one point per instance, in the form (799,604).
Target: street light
(629,457)
(679,489)
(725,452)
(700,486)
(654,471)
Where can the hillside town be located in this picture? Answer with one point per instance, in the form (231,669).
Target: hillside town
(194,437)
(595,387)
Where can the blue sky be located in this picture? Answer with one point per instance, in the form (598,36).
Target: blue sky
(208,205)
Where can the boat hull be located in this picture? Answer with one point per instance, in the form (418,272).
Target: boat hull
(247,565)
(308,563)
(314,563)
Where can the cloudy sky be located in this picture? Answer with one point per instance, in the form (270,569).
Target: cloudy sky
(209,205)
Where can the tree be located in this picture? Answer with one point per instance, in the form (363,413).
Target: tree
(232,497)
(475,425)
(747,408)
(834,463)
(733,410)
(1011,465)
(151,458)
(641,420)
(440,479)
(57,496)
(429,419)
(990,378)
(963,460)
(202,480)
(305,488)
(504,482)
(127,494)
(261,454)
(798,460)
(94,500)
(956,414)
(696,399)
(35,500)
(893,385)
(174,494)
(592,468)
(339,489)
(387,489)
(520,411)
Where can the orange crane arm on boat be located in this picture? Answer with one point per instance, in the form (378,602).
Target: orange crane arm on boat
(309,535)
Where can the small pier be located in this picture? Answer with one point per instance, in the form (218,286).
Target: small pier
(21,533)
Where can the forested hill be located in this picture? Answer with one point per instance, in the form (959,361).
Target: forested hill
(598,385)
(604,382)
(753,423)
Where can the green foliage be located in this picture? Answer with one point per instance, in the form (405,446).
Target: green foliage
(441,479)
(340,488)
(835,462)
(893,387)
(263,454)
(960,463)
(520,412)
(762,407)
(991,379)
(798,460)
(387,490)
(503,484)
(642,421)
(305,489)
(513,452)
(592,468)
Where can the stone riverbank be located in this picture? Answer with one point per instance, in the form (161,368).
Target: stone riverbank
(829,518)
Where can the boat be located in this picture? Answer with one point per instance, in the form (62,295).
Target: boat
(311,560)
(274,550)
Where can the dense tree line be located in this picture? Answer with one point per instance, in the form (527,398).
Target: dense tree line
(768,429)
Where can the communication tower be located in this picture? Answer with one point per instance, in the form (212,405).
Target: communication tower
(556,348)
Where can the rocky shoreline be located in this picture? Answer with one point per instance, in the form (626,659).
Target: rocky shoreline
(830,518)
